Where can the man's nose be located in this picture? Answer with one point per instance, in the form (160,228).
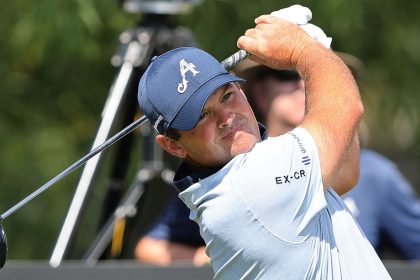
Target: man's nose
(225,117)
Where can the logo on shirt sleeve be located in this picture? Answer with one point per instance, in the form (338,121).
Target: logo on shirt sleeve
(289,178)
(306,160)
(301,146)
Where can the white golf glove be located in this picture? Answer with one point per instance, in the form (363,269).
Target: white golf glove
(300,16)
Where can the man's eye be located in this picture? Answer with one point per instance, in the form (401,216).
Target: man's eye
(226,96)
(203,115)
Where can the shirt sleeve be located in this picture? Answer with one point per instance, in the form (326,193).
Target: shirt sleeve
(280,184)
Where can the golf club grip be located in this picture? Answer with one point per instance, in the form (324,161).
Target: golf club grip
(232,60)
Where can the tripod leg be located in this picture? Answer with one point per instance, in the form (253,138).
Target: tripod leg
(120,164)
(111,108)
(127,208)
(136,53)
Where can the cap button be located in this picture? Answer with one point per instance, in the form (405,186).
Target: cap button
(153,58)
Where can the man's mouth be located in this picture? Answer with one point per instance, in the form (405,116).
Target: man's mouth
(232,131)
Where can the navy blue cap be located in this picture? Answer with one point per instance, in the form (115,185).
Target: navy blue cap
(176,85)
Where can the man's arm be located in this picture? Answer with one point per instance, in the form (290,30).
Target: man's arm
(334,107)
(349,172)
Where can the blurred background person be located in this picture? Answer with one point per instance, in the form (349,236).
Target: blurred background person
(172,238)
(386,207)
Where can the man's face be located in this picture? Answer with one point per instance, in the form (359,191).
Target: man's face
(281,103)
(287,104)
(227,127)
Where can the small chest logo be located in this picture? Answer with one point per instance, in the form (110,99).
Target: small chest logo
(184,67)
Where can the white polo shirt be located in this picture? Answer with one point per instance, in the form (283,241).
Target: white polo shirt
(265,215)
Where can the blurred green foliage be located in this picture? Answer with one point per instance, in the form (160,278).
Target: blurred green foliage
(55,77)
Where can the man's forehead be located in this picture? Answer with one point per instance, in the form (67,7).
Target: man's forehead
(219,91)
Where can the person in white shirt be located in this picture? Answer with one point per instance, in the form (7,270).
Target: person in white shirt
(265,208)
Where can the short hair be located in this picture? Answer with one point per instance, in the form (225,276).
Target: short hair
(263,72)
(259,73)
(172,134)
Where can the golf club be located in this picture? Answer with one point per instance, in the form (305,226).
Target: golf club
(228,63)
(3,247)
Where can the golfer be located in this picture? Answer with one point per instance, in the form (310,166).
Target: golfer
(265,206)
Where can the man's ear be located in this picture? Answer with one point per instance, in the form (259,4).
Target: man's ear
(171,146)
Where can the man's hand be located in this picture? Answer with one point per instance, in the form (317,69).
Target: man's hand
(275,42)
(200,257)
(301,16)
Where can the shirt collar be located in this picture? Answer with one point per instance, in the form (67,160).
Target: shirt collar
(186,175)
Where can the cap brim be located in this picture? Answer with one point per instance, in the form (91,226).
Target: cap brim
(188,116)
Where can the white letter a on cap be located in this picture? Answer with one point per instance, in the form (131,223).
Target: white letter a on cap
(184,67)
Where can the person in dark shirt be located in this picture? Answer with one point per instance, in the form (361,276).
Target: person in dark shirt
(386,207)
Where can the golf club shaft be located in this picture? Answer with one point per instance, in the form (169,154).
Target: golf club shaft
(228,63)
(75,165)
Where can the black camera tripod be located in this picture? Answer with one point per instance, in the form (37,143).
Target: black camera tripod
(153,35)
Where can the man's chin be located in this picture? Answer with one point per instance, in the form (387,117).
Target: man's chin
(243,142)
